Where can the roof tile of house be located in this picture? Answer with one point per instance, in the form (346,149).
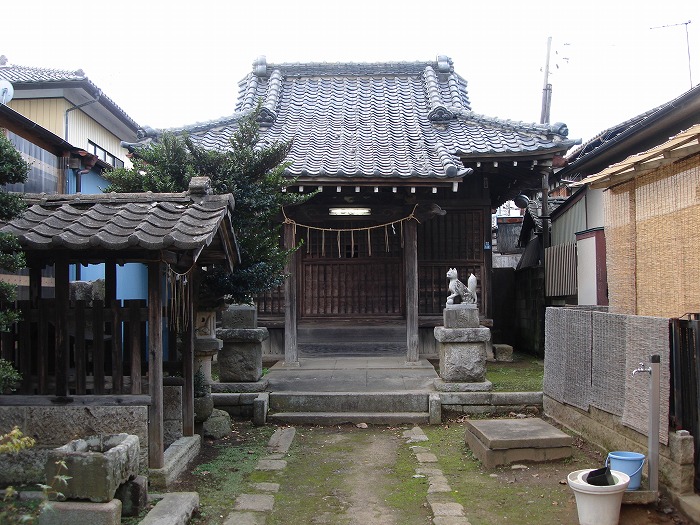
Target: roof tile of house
(117,221)
(379,120)
(25,76)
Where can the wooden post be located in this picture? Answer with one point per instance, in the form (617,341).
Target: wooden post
(61,326)
(110,281)
(410,254)
(155,366)
(188,358)
(291,352)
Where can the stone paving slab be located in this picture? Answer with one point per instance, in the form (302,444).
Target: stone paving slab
(445,508)
(450,520)
(426,457)
(246,518)
(266,487)
(271,464)
(254,502)
(175,508)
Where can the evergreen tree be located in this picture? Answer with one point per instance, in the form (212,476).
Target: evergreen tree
(255,177)
(13,169)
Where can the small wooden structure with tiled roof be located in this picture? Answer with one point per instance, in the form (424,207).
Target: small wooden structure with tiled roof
(388,148)
(99,353)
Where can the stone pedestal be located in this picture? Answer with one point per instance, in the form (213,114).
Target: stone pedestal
(463,347)
(206,345)
(240,358)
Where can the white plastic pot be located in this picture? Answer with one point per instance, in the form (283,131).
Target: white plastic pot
(598,505)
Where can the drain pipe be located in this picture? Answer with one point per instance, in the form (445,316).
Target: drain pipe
(97,97)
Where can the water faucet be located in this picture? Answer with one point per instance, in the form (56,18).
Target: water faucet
(641,368)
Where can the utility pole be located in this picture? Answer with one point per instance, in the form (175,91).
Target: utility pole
(544,119)
(547,89)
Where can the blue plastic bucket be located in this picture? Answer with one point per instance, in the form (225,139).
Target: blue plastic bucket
(630,463)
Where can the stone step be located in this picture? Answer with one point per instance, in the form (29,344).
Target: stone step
(335,418)
(345,402)
(352,334)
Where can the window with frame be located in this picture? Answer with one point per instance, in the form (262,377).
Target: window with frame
(104,155)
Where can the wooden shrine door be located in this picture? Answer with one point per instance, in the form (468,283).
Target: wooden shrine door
(352,274)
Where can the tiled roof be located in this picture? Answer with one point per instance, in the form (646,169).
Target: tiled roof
(380,120)
(24,76)
(121,221)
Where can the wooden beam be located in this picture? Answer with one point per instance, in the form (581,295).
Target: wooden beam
(411,268)
(124,401)
(155,367)
(291,352)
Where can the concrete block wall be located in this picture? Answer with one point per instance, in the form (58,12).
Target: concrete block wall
(54,426)
(676,468)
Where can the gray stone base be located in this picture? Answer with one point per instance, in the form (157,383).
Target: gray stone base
(81,513)
(506,441)
(134,496)
(177,456)
(447,386)
(240,387)
(503,353)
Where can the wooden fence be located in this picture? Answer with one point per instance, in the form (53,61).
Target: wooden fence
(105,350)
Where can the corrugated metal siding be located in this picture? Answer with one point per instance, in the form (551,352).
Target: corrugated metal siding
(83,128)
(47,112)
(50,113)
(560,270)
(568,223)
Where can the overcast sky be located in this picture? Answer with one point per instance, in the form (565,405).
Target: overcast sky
(169,63)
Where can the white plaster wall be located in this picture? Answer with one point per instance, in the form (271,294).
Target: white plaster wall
(586,271)
(594,209)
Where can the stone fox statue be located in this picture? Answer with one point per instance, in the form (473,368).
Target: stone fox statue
(458,289)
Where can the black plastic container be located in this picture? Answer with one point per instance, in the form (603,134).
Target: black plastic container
(601,477)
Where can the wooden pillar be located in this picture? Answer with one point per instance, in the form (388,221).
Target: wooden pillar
(188,357)
(155,366)
(291,352)
(410,253)
(61,326)
(110,281)
(34,285)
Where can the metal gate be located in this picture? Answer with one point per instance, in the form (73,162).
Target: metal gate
(685,372)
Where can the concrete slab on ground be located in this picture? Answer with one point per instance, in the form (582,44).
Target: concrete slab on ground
(352,374)
(504,441)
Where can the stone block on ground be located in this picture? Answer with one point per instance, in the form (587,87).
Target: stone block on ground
(97,465)
(504,441)
(176,508)
(218,425)
(503,353)
(134,496)
(81,513)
